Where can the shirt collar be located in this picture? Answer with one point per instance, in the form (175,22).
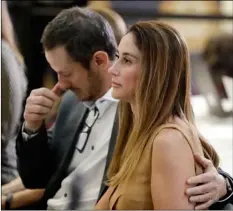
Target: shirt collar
(102,103)
(108,96)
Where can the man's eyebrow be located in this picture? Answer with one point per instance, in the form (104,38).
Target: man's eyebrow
(64,73)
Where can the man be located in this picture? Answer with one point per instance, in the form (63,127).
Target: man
(80,46)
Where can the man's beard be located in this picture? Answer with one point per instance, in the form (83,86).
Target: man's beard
(93,91)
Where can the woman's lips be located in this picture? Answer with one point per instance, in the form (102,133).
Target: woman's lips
(114,84)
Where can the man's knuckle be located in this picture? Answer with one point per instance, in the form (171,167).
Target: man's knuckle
(36,117)
(215,188)
(39,109)
(41,99)
(44,110)
(215,177)
(209,176)
(44,90)
(209,196)
(210,202)
(192,191)
(198,198)
(29,101)
(201,189)
(208,162)
(32,92)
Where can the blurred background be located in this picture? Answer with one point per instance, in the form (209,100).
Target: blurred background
(207,27)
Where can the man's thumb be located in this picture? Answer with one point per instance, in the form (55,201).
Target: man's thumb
(58,90)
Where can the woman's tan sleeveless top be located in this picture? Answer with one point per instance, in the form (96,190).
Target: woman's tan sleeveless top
(137,193)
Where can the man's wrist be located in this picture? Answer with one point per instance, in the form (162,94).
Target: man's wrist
(224,189)
(228,185)
(29,130)
(228,188)
(27,133)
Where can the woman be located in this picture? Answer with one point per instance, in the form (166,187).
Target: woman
(157,137)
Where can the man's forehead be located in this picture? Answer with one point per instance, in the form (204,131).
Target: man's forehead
(58,63)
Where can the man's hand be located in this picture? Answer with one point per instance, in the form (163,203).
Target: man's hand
(39,104)
(209,186)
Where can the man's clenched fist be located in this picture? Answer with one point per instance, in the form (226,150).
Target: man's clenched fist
(39,104)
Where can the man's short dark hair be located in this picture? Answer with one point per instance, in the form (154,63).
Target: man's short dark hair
(82,32)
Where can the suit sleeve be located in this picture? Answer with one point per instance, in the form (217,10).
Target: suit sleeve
(37,155)
(34,161)
(229,197)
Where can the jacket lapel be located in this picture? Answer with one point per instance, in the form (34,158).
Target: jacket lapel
(77,118)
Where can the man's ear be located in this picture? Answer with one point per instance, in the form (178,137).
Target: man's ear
(100,59)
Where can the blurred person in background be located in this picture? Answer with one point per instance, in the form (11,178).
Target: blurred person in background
(13,86)
(114,19)
(80,46)
(157,141)
(218,54)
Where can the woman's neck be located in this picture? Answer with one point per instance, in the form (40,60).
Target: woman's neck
(133,108)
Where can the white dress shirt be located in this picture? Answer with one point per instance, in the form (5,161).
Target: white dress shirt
(88,165)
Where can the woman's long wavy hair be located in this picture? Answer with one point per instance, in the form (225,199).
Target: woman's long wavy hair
(164,89)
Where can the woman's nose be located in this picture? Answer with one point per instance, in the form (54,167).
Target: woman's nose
(113,70)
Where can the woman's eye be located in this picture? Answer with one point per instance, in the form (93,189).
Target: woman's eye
(126,61)
(123,59)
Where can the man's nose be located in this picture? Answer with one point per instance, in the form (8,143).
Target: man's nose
(64,84)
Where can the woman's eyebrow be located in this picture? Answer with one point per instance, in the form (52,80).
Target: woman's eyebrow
(127,54)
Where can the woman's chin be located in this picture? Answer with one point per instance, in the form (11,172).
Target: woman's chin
(116,94)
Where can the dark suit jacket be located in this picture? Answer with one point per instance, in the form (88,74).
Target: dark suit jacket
(44,159)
